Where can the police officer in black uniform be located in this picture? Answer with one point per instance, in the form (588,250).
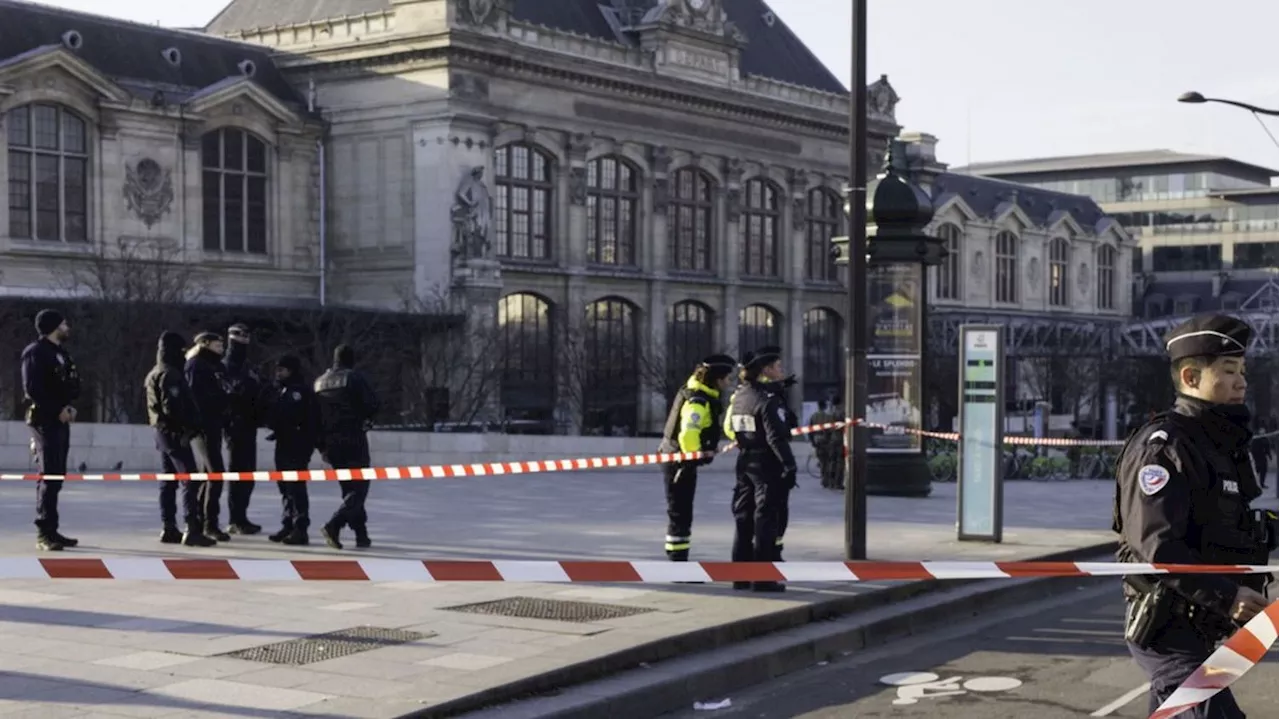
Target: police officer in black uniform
(693,425)
(1183,487)
(172,412)
(766,468)
(51,383)
(206,377)
(295,427)
(246,412)
(347,408)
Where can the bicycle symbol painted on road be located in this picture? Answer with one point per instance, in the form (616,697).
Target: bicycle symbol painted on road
(914,686)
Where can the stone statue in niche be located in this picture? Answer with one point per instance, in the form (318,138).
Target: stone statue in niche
(660,158)
(578,185)
(472,216)
(148,188)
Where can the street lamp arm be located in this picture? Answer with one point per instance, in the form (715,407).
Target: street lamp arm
(1245,105)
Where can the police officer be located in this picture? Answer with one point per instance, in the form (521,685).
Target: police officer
(245,413)
(206,377)
(693,425)
(827,444)
(347,408)
(51,383)
(782,388)
(1183,487)
(295,429)
(766,468)
(172,413)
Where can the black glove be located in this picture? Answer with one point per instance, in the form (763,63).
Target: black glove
(789,477)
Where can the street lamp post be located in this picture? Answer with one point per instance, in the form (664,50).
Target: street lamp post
(1196,98)
(855,395)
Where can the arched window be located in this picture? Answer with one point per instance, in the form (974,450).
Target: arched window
(611,383)
(947,276)
(1059,262)
(1006,267)
(613,193)
(823,355)
(522,208)
(48,174)
(527,356)
(758,326)
(690,220)
(823,220)
(690,338)
(763,224)
(234,191)
(1106,277)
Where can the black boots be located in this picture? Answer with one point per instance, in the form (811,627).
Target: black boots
(170,535)
(246,528)
(330,533)
(193,537)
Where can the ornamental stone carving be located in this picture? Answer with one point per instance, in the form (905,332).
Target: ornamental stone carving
(799,213)
(1033,273)
(148,190)
(733,204)
(660,158)
(661,194)
(1082,278)
(578,185)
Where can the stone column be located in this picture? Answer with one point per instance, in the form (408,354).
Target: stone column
(730,249)
(571,319)
(796,255)
(659,190)
(655,259)
(575,186)
(653,342)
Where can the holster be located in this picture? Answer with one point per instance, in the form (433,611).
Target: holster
(1149,612)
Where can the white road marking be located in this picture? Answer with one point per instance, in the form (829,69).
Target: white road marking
(1122,701)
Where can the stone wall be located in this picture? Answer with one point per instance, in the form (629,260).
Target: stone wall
(101,446)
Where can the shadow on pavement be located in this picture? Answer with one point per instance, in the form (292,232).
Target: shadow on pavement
(52,616)
(27,688)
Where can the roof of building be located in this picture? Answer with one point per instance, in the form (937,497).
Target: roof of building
(1103,161)
(986,195)
(1246,294)
(772,50)
(130,53)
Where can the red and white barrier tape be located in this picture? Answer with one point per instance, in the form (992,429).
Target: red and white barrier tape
(651,572)
(1240,653)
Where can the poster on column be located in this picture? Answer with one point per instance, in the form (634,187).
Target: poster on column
(893,402)
(893,303)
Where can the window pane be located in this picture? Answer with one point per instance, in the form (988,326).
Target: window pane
(233,213)
(46,127)
(211,195)
(257,241)
(72,134)
(232,150)
(47,197)
(19,194)
(19,121)
(257,151)
(75,194)
(211,150)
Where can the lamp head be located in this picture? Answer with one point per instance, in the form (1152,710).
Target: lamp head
(1192,97)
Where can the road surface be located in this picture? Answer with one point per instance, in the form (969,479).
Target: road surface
(1059,659)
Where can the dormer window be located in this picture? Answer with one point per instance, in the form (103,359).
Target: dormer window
(72,39)
(247,68)
(172,55)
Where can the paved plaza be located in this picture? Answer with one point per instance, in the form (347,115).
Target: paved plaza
(111,648)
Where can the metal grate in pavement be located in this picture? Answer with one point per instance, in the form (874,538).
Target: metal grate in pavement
(331,645)
(556,610)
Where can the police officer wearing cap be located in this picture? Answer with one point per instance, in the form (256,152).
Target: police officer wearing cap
(757,419)
(693,425)
(207,378)
(1184,482)
(295,428)
(246,411)
(50,383)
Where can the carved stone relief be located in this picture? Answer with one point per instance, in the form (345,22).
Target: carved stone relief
(148,190)
(799,180)
(472,215)
(661,194)
(733,170)
(1082,278)
(1033,273)
(578,185)
(979,267)
(578,145)
(799,210)
(466,86)
(733,204)
(660,158)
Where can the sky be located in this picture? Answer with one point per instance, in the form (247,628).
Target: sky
(1012,79)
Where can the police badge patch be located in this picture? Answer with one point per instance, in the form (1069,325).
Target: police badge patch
(1152,478)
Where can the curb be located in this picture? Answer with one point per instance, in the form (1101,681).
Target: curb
(708,639)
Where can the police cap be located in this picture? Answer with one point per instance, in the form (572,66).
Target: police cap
(719,366)
(1208,335)
(205,338)
(762,358)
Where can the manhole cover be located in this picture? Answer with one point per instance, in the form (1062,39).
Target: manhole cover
(556,610)
(319,647)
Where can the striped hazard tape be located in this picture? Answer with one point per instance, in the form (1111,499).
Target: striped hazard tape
(652,572)
(1240,653)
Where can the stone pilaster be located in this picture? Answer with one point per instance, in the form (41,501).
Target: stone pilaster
(659,190)
(574,186)
(654,344)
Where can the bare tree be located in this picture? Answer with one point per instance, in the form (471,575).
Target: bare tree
(125,294)
(657,370)
(458,375)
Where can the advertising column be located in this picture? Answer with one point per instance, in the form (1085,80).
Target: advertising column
(894,295)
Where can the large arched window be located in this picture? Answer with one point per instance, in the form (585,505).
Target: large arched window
(611,344)
(690,338)
(947,275)
(48,174)
(758,326)
(613,193)
(763,224)
(522,207)
(234,191)
(1106,277)
(691,220)
(823,355)
(822,222)
(527,358)
(1059,264)
(1006,267)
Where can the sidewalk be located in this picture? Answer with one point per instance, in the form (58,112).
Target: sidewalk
(116,648)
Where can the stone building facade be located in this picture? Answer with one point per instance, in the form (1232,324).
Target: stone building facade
(657,181)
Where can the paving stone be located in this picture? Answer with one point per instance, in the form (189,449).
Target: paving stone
(466,662)
(147,661)
(215,693)
(364,687)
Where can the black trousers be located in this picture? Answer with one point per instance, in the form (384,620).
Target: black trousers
(831,463)
(680,481)
(177,458)
(294,499)
(761,497)
(52,443)
(242,451)
(350,452)
(207,450)
(1175,654)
